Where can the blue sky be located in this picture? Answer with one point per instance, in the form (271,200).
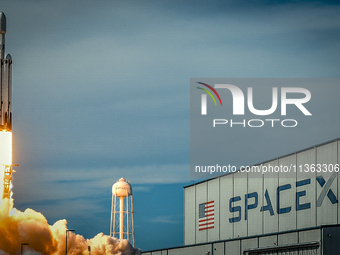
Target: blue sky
(101,91)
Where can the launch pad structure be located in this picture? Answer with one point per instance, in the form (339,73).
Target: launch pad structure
(7,181)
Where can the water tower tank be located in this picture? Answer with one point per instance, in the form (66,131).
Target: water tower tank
(122,188)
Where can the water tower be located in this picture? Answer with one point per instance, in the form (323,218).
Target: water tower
(122,224)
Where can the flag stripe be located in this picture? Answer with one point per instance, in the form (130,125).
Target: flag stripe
(206,228)
(206,224)
(206,219)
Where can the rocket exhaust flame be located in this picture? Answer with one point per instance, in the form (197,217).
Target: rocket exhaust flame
(5,164)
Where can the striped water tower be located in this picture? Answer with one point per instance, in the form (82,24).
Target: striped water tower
(122,224)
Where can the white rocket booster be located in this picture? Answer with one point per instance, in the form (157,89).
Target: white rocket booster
(5,80)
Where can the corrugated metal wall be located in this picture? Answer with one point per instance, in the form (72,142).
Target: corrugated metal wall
(292,251)
(293,205)
(303,242)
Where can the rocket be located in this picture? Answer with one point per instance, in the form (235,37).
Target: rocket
(5,81)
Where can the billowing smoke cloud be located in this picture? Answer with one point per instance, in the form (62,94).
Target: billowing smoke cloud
(31,227)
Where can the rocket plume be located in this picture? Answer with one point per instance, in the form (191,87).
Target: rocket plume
(5,164)
(31,227)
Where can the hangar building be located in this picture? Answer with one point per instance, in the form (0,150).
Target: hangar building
(290,207)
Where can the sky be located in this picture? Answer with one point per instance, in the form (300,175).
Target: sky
(101,91)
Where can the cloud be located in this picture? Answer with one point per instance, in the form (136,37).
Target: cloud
(167,219)
(77,183)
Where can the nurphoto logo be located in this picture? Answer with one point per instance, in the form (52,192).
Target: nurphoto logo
(238,106)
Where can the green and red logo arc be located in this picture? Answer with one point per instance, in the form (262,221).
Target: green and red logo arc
(209,93)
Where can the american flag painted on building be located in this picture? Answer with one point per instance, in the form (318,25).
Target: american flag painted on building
(206,216)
